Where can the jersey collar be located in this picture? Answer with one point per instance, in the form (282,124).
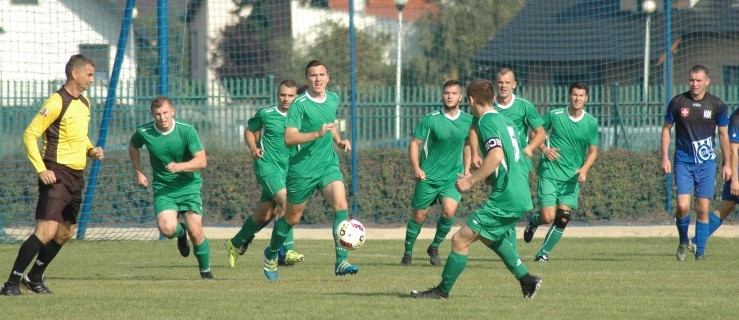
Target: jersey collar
(316,100)
(513,99)
(174,123)
(459,112)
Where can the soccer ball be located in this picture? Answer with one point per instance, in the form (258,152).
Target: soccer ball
(350,234)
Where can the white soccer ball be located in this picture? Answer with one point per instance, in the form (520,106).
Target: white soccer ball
(350,234)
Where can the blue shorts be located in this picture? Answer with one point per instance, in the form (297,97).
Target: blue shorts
(726,193)
(702,177)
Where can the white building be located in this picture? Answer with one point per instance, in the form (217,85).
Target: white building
(37,37)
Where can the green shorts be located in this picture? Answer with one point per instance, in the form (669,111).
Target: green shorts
(299,189)
(552,192)
(181,204)
(271,184)
(493,223)
(427,193)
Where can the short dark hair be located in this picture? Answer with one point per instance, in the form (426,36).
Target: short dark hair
(159,102)
(452,83)
(314,63)
(698,68)
(77,62)
(290,83)
(579,85)
(482,91)
(302,89)
(505,71)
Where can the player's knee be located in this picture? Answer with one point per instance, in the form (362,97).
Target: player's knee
(167,230)
(292,220)
(562,218)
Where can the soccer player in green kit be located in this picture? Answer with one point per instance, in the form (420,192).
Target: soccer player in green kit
(176,155)
(310,134)
(509,199)
(265,138)
(438,152)
(520,111)
(565,162)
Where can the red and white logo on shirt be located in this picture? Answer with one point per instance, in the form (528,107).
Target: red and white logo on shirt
(684,112)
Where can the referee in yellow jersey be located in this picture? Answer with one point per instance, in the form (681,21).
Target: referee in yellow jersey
(62,122)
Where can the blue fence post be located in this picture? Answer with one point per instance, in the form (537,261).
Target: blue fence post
(353,95)
(163,47)
(105,123)
(668,85)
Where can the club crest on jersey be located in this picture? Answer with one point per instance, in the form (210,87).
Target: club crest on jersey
(44,112)
(706,114)
(684,112)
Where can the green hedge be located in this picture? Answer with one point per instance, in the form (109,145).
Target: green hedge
(623,186)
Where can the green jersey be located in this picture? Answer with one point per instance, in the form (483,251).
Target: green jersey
(308,114)
(510,186)
(177,145)
(524,117)
(443,139)
(270,122)
(573,137)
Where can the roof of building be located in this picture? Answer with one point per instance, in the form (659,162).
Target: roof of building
(573,30)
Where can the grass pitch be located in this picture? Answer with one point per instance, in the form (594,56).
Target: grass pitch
(586,278)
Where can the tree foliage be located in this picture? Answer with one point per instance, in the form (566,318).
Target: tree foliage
(450,39)
(332,48)
(244,48)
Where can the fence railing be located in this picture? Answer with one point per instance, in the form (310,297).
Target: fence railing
(220,110)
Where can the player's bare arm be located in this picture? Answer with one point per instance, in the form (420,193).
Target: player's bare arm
(723,139)
(413,154)
(251,143)
(135,155)
(198,162)
(345,145)
(293,136)
(489,165)
(582,173)
(665,148)
(475,159)
(466,157)
(536,138)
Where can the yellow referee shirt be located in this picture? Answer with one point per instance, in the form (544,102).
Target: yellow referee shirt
(63,121)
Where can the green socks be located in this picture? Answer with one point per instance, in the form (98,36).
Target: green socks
(202,253)
(279,234)
(289,241)
(340,216)
(534,220)
(454,266)
(180,231)
(550,241)
(443,225)
(248,229)
(411,234)
(507,252)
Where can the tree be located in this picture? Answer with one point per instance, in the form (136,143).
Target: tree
(244,48)
(450,38)
(332,48)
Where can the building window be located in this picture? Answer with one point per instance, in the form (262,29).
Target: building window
(100,55)
(23,1)
(731,75)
